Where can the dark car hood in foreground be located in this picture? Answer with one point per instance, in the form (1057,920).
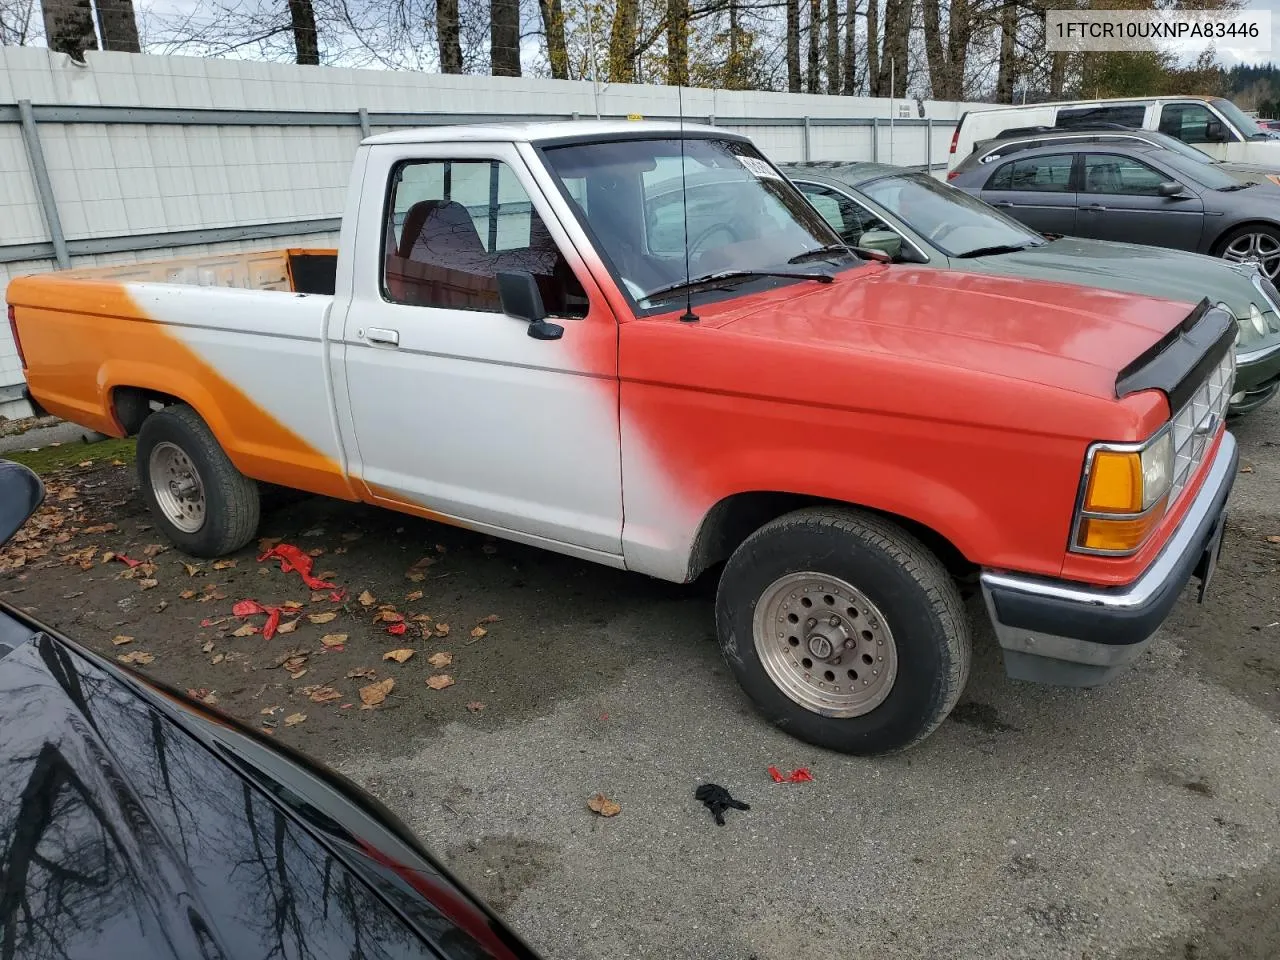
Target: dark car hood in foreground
(131,826)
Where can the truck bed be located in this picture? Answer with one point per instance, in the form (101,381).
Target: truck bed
(296,269)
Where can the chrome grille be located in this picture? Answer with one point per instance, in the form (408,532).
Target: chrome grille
(1197,423)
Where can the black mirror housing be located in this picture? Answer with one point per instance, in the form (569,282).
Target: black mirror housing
(518,293)
(1215,132)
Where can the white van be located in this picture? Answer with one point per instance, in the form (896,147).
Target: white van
(1214,125)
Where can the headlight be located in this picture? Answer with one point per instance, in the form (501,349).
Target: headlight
(1125,495)
(1255,317)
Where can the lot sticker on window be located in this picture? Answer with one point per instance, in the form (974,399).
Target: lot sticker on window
(759,167)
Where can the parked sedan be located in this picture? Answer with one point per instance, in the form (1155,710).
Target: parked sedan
(139,823)
(914,218)
(1135,193)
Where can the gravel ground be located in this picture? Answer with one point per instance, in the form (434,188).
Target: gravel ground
(1140,820)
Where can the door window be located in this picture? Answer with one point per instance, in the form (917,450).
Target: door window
(1124,115)
(1187,121)
(452,226)
(1107,173)
(1040,174)
(847,217)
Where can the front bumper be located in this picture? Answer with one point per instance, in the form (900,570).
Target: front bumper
(1059,632)
(1257,376)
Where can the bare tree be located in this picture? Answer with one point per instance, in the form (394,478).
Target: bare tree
(850,81)
(302,21)
(68,27)
(814,78)
(893,58)
(947,60)
(793,45)
(17,22)
(118,26)
(1007,77)
(678,42)
(833,46)
(873,47)
(448,36)
(504,43)
(622,43)
(553,28)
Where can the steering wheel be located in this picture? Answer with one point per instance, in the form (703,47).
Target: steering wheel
(943,229)
(709,239)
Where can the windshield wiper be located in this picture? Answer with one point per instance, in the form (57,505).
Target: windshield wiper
(713,278)
(820,252)
(998,248)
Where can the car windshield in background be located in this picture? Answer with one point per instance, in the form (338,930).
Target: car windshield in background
(1206,175)
(743,216)
(1240,120)
(1182,149)
(954,222)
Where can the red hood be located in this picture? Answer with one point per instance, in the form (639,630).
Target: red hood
(1071,337)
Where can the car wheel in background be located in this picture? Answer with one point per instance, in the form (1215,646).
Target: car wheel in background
(844,630)
(204,505)
(1253,243)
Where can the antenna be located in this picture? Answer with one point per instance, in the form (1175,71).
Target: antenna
(689,316)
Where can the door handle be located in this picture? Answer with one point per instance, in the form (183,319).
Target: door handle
(383,335)
(1095,207)
(1004,203)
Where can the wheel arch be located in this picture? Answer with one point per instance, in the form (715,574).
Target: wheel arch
(1219,240)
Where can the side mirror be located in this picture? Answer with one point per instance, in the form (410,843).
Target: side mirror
(882,241)
(20,493)
(518,293)
(1215,132)
(1170,189)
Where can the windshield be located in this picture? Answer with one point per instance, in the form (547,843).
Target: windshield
(950,219)
(1213,177)
(1239,119)
(743,216)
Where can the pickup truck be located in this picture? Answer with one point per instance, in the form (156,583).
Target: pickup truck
(512,338)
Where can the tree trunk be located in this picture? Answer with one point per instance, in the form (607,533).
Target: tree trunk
(450,36)
(938,66)
(68,27)
(814,77)
(733,79)
(118,26)
(873,47)
(849,87)
(833,46)
(302,18)
(504,38)
(1007,76)
(678,42)
(557,49)
(1057,75)
(893,61)
(622,43)
(959,33)
(793,46)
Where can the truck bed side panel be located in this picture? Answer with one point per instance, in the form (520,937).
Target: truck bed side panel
(252,364)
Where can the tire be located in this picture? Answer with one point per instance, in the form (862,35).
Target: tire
(900,618)
(216,516)
(1253,242)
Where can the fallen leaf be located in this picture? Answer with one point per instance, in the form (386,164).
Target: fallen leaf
(321,693)
(208,647)
(187,594)
(489,549)
(442,629)
(438,681)
(298,674)
(441,659)
(475,706)
(352,536)
(204,695)
(108,557)
(1273,539)
(367,599)
(422,562)
(492,618)
(334,639)
(322,617)
(247,630)
(287,627)
(268,711)
(117,463)
(67,493)
(396,629)
(266,543)
(388,616)
(421,618)
(602,805)
(292,605)
(413,595)
(414,576)
(135,656)
(293,719)
(99,528)
(218,658)
(121,640)
(147,584)
(1245,469)
(151,549)
(478,632)
(294,663)
(441,548)
(316,552)
(375,693)
(399,656)
(223,564)
(213,621)
(85,463)
(338,550)
(359,672)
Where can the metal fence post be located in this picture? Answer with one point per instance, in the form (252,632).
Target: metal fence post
(365,129)
(44,189)
(875,139)
(808,148)
(928,145)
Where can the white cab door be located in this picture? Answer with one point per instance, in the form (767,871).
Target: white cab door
(455,410)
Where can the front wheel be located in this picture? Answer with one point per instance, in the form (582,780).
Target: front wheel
(204,505)
(844,630)
(1253,243)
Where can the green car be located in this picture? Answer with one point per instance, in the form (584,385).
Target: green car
(914,218)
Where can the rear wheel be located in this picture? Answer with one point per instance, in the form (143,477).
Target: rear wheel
(1253,243)
(844,630)
(204,505)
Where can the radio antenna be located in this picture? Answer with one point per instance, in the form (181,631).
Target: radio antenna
(689,316)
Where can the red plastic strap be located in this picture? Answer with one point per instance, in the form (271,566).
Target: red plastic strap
(248,608)
(291,559)
(798,775)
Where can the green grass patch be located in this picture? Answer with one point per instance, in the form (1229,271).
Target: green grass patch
(50,460)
